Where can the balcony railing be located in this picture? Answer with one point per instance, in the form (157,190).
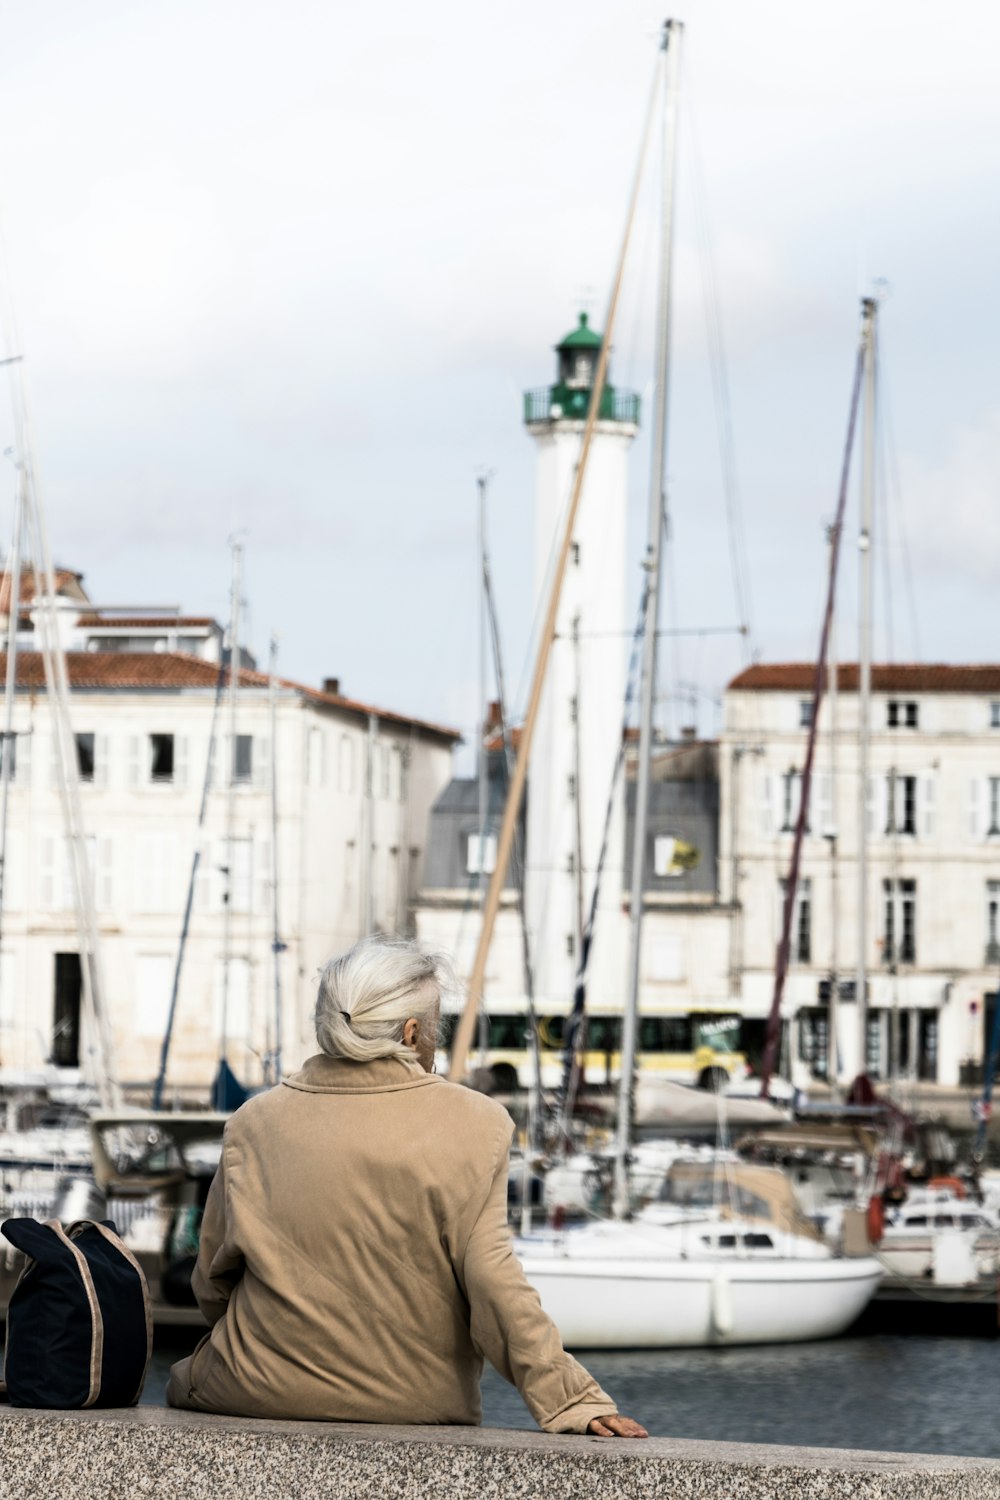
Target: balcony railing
(550,403)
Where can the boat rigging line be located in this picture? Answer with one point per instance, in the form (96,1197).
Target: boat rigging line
(517,852)
(791,883)
(673,33)
(719,372)
(576,1026)
(463,1034)
(199,843)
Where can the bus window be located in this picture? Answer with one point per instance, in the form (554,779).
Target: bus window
(664,1034)
(604,1034)
(508,1033)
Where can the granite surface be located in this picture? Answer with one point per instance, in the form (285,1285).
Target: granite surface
(158,1454)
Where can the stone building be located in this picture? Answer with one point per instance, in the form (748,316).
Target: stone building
(353,789)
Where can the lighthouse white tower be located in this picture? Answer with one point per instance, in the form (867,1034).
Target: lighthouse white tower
(580,721)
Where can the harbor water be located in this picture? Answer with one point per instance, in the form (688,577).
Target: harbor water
(884,1391)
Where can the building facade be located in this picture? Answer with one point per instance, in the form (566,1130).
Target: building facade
(346,787)
(932,880)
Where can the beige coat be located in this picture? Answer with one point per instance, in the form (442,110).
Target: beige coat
(355,1262)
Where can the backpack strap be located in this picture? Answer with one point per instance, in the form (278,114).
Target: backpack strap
(96,1320)
(123,1250)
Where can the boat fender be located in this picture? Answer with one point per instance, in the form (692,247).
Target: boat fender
(948,1184)
(722,1307)
(875,1219)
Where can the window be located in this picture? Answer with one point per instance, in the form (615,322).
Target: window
(814,1040)
(473,864)
(791,798)
(901,715)
(875,1048)
(800,947)
(10,751)
(993,921)
(805,713)
(901,919)
(85,748)
(994,804)
(575,553)
(243,757)
(995,715)
(902,804)
(161,757)
(571,785)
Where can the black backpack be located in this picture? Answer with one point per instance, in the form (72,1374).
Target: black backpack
(79,1328)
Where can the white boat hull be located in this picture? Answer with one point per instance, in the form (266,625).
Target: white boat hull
(656,1304)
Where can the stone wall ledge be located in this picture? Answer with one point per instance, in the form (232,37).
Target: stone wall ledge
(158,1454)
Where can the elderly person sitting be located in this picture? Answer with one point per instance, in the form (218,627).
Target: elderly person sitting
(355,1262)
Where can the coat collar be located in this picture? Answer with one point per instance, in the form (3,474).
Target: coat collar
(329,1075)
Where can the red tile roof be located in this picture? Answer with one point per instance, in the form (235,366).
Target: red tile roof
(903,677)
(67,582)
(173,671)
(140,622)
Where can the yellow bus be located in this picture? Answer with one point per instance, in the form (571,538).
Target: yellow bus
(699,1047)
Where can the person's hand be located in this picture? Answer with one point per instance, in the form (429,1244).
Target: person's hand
(616,1426)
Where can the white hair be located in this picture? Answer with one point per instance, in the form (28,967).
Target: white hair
(367,995)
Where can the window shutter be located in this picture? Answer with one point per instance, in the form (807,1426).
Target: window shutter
(261,760)
(8,1006)
(180,760)
(66,891)
(203,878)
(975,808)
(104,892)
(12,883)
(46,873)
(134,760)
(876,803)
(262,872)
(824,801)
(928,809)
(53,760)
(22,751)
(145,854)
(767,804)
(102,753)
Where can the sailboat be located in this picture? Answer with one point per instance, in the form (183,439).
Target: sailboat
(736,1262)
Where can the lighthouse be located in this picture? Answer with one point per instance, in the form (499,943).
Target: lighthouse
(579,727)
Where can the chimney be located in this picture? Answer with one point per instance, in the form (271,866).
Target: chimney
(492,721)
(331,685)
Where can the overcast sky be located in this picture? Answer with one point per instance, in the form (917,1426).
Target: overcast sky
(288,267)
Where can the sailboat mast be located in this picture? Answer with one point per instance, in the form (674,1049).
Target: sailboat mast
(234,670)
(671,46)
(7,743)
(833,1044)
(869,309)
(277,947)
(481,763)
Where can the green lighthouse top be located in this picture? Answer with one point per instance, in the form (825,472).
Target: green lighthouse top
(582,337)
(569,398)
